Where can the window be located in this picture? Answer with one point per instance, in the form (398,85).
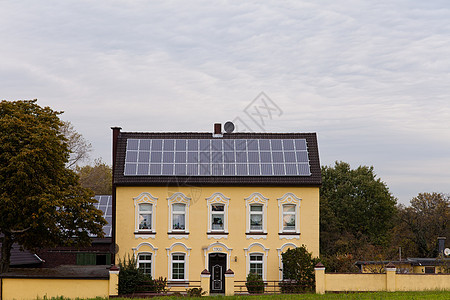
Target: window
(289,217)
(256,217)
(144,262)
(179,216)
(289,209)
(256,264)
(86,258)
(217,217)
(178,266)
(145,213)
(145,216)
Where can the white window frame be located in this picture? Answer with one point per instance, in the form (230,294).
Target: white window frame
(265,253)
(139,261)
(256,199)
(258,262)
(178,198)
(289,198)
(170,253)
(221,199)
(178,261)
(145,198)
(148,248)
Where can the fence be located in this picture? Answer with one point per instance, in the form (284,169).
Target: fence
(389,281)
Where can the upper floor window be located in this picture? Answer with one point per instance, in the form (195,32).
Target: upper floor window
(179,216)
(289,217)
(289,209)
(218,215)
(256,216)
(145,216)
(144,263)
(145,213)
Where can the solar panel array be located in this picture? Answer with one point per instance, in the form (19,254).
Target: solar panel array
(105,205)
(217,157)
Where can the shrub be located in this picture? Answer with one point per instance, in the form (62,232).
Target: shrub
(195,292)
(131,279)
(254,283)
(298,271)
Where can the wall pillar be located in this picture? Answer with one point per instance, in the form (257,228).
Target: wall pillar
(114,281)
(205,277)
(390,277)
(319,271)
(229,283)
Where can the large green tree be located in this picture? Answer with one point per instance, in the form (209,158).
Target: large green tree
(41,201)
(356,210)
(420,224)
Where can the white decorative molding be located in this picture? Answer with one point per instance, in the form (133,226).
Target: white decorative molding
(218,198)
(180,198)
(186,252)
(144,236)
(217,247)
(153,250)
(256,198)
(248,252)
(178,236)
(289,236)
(186,248)
(145,197)
(217,236)
(280,262)
(289,198)
(257,236)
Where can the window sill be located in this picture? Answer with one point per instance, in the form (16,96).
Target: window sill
(289,235)
(178,235)
(256,235)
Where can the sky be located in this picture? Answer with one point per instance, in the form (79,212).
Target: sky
(371,78)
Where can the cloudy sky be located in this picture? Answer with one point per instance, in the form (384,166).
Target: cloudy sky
(371,78)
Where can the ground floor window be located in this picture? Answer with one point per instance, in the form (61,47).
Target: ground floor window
(178,266)
(256,264)
(144,262)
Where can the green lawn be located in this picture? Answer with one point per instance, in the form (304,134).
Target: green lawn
(378,295)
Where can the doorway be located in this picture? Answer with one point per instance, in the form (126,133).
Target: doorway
(217,267)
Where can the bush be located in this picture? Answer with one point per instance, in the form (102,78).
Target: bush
(195,292)
(298,271)
(254,283)
(131,279)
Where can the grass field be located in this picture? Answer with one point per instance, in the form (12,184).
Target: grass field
(378,295)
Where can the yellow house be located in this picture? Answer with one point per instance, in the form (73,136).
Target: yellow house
(186,202)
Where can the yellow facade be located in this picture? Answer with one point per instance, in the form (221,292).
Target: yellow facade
(28,288)
(198,244)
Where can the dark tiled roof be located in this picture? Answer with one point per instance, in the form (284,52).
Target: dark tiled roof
(313,154)
(22,258)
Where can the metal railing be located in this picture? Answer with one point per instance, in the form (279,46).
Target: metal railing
(269,287)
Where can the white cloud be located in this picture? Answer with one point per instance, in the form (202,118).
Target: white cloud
(371,78)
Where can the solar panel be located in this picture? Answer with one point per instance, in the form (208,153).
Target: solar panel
(105,205)
(217,157)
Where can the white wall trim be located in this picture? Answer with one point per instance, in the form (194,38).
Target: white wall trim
(145,197)
(181,198)
(289,198)
(218,198)
(225,250)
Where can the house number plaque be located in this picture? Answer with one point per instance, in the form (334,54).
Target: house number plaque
(217,249)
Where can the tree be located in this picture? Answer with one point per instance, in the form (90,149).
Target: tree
(298,267)
(79,148)
(420,224)
(98,178)
(41,200)
(356,209)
